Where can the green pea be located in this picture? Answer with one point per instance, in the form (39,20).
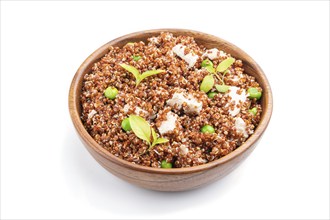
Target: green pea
(211,94)
(111,92)
(253,111)
(206,63)
(126,125)
(136,58)
(207,129)
(165,164)
(254,93)
(222,88)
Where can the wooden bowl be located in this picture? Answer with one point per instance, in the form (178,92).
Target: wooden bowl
(177,179)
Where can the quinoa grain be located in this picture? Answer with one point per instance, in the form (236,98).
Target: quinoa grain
(187,146)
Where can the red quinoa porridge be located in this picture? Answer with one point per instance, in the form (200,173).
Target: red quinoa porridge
(201,113)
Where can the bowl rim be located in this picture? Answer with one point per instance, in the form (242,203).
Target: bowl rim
(84,135)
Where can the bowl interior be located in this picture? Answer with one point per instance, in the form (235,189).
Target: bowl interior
(209,41)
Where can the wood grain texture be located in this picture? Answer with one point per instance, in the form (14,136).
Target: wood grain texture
(170,179)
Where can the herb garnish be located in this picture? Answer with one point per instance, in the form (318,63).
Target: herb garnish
(144,131)
(222,88)
(138,76)
(207,83)
(221,68)
(225,64)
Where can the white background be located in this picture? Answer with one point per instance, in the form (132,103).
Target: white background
(47,173)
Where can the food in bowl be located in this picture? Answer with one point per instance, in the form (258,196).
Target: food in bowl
(169,102)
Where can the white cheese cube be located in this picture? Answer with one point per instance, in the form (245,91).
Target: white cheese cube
(236,98)
(169,124)
(194,106)
(241,127)
(190,58)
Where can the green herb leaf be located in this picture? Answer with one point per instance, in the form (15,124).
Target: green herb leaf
(210,69)
(136,58)
(132,70)
(149,73)
(225,64)
(161,141)
(223,75)
(207,83)
(156,140)
(143,130)
(154,135)
(139,77)
(222,88)
(140,127)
